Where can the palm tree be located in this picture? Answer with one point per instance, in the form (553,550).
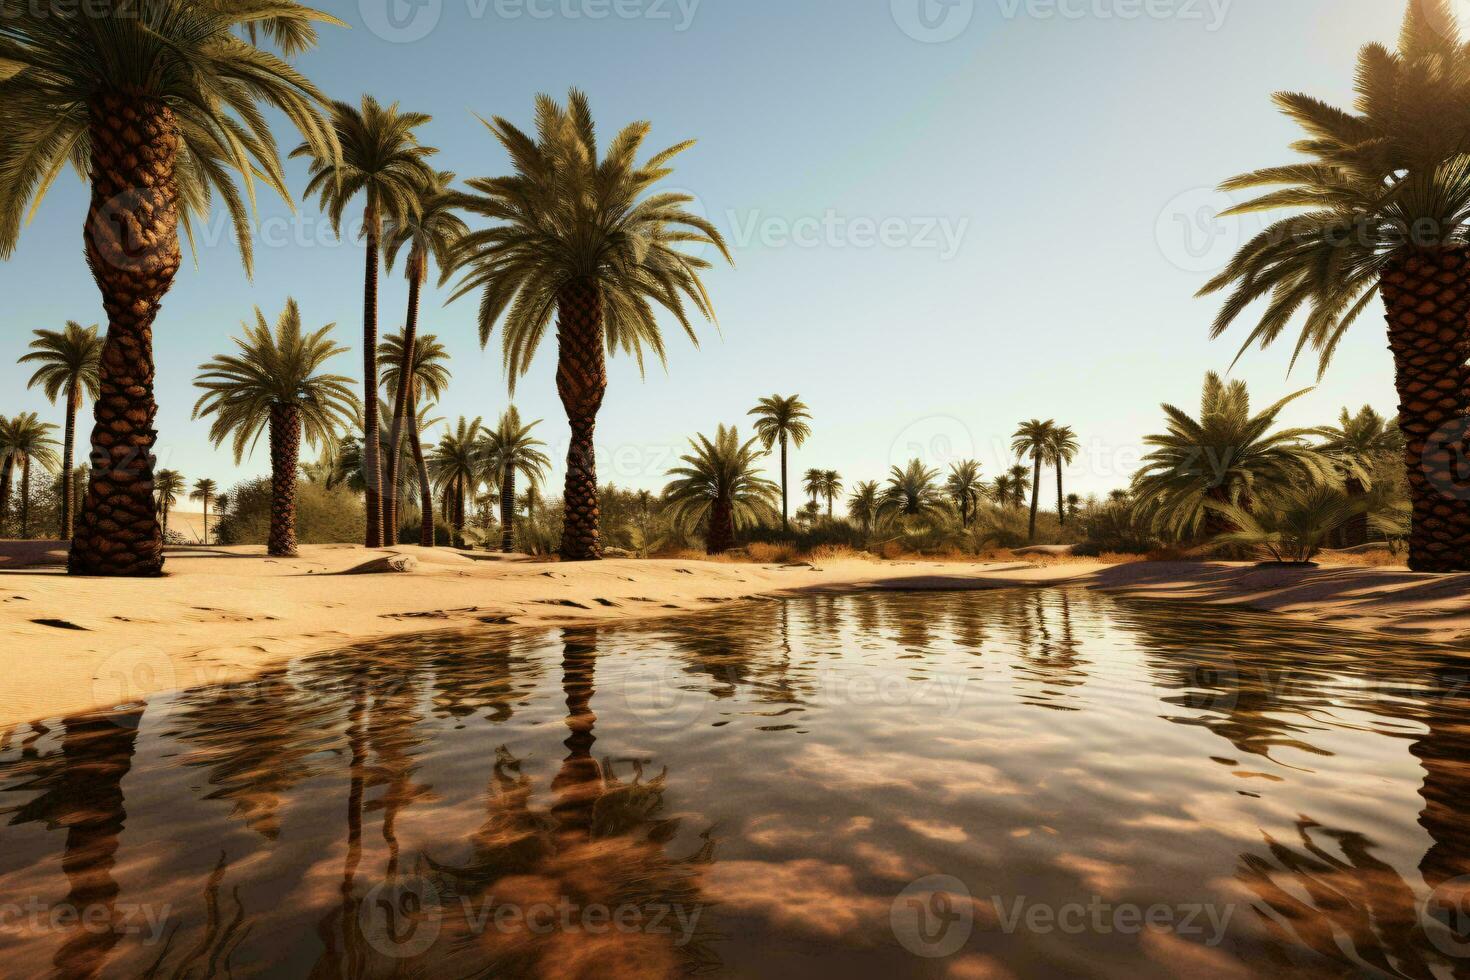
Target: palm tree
(428,365)
(24,440)
(579,241)
(1387,194)
(381,159)
(510,449)
(430,232)
(1357,445)
(910,492)
(275,383)
(720,488)
(69,361)
(204,489)
(159,105)
(1226,457)
(812,482)
(863,505)
(1035,437)
(831,487)
(1297,523)
(784,419)
(1009,489)
(167,486)
(1061,450)
(965,489)
(1074,506)
(457,466)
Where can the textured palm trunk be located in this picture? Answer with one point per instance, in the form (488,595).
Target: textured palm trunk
(1355,531)
(285,434)
(508,510)
(25,497)
(132,244)
(578,784)
(372,462)
(721,528)
(393,489)
(7,473)
(1061,499)
(206,519)
(581,381)
(1035,494)
(1426,295)
(785,518)
(68,453)
(426,492)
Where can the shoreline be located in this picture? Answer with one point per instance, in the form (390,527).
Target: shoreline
(224,614)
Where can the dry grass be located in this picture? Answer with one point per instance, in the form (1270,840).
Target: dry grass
(1382,558)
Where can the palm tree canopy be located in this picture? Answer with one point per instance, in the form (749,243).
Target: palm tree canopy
(26,437)
(812,482)
(1360,441)
(862,506)
(281,368)
(430,367)
(1391,177)
(963,483)
(459,456)
(346,466)
(66,357)
(782,415)
(187,54)
(571,215)
(430,230)
(1034,437)
(911,491)
(510,445)
(722,470)
(1226,455)
(204,489)
(167,486)
(379,157)
(1063,446)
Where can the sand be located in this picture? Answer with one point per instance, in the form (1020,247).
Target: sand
(226,613)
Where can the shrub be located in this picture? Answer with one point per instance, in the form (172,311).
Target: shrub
(323,516)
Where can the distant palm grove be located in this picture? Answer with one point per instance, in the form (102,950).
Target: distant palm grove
(158,108)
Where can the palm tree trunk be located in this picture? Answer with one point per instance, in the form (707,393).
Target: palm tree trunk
(1035,494)
(285,434)
(1355,531)
(426,492)
(25,497)
(1426,296)
(400,400)
(132,244)
(721,528)
(68,453)
(371,456)
(508,510)
(1061,501)
(581,381)
(785,517)
(577,786)
(206,520)
(7,473)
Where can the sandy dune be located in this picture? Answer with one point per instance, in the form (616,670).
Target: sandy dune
(224,613)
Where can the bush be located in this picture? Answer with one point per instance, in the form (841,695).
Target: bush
(323,516)
(1115,527)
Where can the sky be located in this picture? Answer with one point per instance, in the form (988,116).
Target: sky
(948,216)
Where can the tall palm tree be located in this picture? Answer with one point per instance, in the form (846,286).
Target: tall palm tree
(204,490)
(911,492)
(1227,456)
(580,240)
(1061,450)
(275,383)
(831,487)
(720,488)
(813,482)
(381,159)
(1357,445)
(25,440)
(428,369)
(159,105)
(863,505)
(782,419)
(1035,437)
(965,489)
(428,233)
(510,449)
(68,365)
(457,466)
(1387,199)
(168,485)
(1003,490)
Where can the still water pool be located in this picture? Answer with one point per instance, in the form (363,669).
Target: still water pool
(1045,783)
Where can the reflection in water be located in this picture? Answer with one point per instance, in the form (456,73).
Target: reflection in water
(503,805)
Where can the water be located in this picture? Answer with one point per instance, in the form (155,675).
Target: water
(1031,783)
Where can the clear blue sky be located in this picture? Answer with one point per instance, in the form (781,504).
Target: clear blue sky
(944,224)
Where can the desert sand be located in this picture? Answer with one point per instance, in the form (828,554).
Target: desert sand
(226,613)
